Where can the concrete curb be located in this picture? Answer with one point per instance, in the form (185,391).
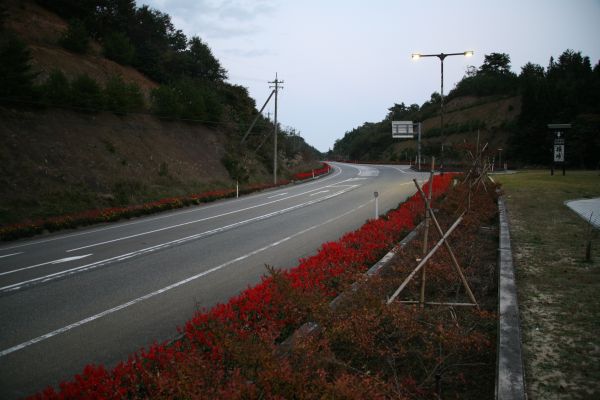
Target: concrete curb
(510,382)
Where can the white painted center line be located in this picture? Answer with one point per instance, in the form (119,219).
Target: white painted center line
(337,172)
(170,287)
(316,193)
(60,274)
(9,255)
(189,222)
(62,260)
(277,195)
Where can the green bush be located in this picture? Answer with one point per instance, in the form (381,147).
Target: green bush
(56,89)
(165,102)
(122,97)
(86,93)
(118,47)
(76,37)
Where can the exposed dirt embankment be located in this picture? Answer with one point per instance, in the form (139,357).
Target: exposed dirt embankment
(41,30)
(54,161)
(466,117)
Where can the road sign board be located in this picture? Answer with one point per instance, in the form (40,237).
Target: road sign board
(559,153)
(402,130)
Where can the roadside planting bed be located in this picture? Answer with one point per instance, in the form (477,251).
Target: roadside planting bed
(365,349)
(30,228)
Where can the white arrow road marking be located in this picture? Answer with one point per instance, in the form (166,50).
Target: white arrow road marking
(170,287)
(8,255)
(96,264)
(62,260)
(322,191)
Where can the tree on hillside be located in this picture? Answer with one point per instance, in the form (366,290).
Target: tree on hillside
(399,112)
(76,37)
(112,16)
(154,38)
(570,79)
(16,77)
(118,47)
(493,77)
(567,92)
(496,63)
(202,63)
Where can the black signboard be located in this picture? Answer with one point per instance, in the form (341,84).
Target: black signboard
(558,153)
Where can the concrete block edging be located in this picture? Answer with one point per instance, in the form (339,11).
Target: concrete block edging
(510,381)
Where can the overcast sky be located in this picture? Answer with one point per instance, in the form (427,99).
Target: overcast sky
(346,62)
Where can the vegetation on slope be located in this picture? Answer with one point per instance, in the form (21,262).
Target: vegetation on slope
(71,90)
(567,91)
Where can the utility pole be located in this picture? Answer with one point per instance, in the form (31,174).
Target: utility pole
(276,86)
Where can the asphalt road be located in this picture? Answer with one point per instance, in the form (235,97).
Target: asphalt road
(97,295)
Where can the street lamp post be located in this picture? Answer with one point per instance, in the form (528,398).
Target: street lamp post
(442,56)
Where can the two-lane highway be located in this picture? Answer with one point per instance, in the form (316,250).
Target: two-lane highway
(96,295)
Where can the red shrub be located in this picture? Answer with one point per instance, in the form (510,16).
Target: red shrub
(229,350)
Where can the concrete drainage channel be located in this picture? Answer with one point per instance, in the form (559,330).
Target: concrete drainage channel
(510,382)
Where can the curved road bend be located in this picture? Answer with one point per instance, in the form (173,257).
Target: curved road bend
(97,295)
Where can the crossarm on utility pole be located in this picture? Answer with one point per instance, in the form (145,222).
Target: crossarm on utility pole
(256,118)
(448,247)
(424,260)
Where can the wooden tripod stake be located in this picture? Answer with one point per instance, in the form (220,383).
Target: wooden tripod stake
(426,236)
(443,240)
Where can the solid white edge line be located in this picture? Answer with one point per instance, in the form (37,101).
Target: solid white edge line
(167,288)
(191,222)
(60,274)
(155,218)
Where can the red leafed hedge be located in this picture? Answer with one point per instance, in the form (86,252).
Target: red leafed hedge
(311,174)
(89,217)
(115,213)
(230,351)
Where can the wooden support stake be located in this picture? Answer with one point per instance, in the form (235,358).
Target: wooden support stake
(426,234)
(436,303)
(448,247)
(425,259)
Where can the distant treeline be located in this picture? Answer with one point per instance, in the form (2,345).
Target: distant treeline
(191,78)
(567,91)
(142,37)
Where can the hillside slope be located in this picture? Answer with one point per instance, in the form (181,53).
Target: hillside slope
(466,119)
(60,158)
(507,111)
(58,161)
(41,30)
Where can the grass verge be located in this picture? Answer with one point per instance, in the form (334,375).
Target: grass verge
(558,289)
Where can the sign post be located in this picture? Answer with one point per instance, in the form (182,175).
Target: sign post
(558,148)
(407,130)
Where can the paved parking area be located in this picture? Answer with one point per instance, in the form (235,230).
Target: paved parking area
(588,209)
